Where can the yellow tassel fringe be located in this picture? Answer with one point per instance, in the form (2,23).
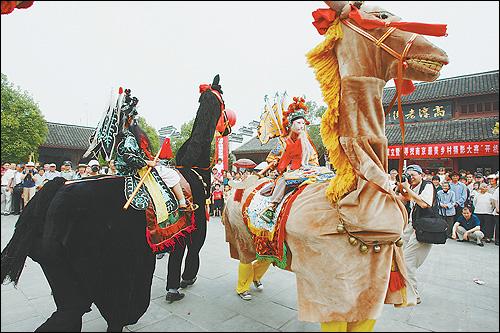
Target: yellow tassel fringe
(322,59)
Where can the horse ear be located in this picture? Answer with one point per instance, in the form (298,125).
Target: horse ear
(216,80)
(342,8)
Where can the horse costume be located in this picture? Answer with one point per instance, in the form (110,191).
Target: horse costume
(342,287)
(90,249)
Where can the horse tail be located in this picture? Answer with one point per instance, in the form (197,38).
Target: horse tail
(28,229)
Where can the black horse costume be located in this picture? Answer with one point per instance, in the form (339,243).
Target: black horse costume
(193,161)
(90,249)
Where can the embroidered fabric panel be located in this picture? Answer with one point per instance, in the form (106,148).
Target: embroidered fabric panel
(141,199)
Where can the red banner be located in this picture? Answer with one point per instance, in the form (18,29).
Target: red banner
(442,150)
(222,150)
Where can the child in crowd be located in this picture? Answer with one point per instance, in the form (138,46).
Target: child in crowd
(218,200)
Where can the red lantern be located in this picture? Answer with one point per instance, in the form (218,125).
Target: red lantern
(226,119)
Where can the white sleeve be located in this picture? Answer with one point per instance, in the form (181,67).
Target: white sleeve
(427,194)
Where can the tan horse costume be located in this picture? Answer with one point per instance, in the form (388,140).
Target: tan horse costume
(336,280)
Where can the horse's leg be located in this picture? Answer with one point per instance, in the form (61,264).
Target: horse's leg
(247,273)
(71,301)
(192,263)
(174,266)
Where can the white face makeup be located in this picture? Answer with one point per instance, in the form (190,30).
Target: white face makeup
(298,125)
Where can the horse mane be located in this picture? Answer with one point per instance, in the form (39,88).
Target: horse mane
(322,59)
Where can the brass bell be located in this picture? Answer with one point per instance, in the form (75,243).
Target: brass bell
(376,248)
(341,228)
(399,242)
(363,248)
(353,241)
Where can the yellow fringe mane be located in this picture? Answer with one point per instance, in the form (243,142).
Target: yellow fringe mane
(322,59)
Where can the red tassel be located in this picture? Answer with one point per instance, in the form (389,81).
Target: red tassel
(166,150)
(145,147)
(238,195)
(396,281)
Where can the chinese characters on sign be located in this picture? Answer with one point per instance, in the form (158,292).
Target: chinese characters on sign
(421,112)
(442,150)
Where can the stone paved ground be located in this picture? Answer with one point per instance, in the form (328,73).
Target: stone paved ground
(451,301)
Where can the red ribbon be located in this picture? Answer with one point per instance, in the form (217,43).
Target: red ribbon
(205,87)
(427,29)
(323,19)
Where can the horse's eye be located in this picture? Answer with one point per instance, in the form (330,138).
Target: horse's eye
(383,16)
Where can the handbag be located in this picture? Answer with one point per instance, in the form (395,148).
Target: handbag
(430,227)
(431,230)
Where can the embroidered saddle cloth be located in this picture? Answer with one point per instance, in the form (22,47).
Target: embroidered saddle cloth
(166,225)
(268,238)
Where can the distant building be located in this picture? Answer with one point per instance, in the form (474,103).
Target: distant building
(169,132)
(64,143)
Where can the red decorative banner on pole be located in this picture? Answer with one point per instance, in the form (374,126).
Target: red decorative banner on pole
(222,150)
(443,150)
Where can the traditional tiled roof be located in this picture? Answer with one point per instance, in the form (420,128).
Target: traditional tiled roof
(254,146)
(459,86)
(456,130)
(67,136)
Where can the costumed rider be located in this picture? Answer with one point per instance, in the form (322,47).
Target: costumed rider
(133,157)
(294,154)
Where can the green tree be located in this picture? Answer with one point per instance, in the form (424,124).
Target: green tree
(186,129)
(23,126)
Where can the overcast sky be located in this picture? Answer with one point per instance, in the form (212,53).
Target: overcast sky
(69,55)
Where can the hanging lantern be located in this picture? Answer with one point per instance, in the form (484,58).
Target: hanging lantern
(363,248)
(353,241)
(376,248)
(399,242)
(340,228)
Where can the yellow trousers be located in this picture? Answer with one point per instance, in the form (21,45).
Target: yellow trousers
(343,326)
(247,273)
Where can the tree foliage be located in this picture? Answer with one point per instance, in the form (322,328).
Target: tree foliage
(315,114)
(185,133)
(24,128)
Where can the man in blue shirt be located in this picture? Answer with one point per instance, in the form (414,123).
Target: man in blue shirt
(446,201)
(467,227)
(460,191)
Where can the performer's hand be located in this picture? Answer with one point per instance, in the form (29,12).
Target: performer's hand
(151,163)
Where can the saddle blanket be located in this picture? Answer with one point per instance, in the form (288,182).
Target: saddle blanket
(268,238)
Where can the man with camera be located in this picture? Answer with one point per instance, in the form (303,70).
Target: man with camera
(95,167)
(28,182)
(420,195)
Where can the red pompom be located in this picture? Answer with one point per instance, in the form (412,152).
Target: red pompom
(120,90)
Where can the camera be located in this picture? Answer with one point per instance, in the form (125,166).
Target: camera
(95,168)
(404,177)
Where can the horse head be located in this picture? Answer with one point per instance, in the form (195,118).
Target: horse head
(360,55)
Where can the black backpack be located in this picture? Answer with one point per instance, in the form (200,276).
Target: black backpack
(430,227)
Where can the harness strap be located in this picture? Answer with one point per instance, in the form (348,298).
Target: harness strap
(402,65)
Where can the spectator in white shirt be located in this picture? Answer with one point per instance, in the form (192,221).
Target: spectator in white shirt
(495,214)
(52,173)
(10,170)
(484,207)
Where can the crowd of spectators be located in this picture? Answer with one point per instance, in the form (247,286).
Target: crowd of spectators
(21,181)
(472,191)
